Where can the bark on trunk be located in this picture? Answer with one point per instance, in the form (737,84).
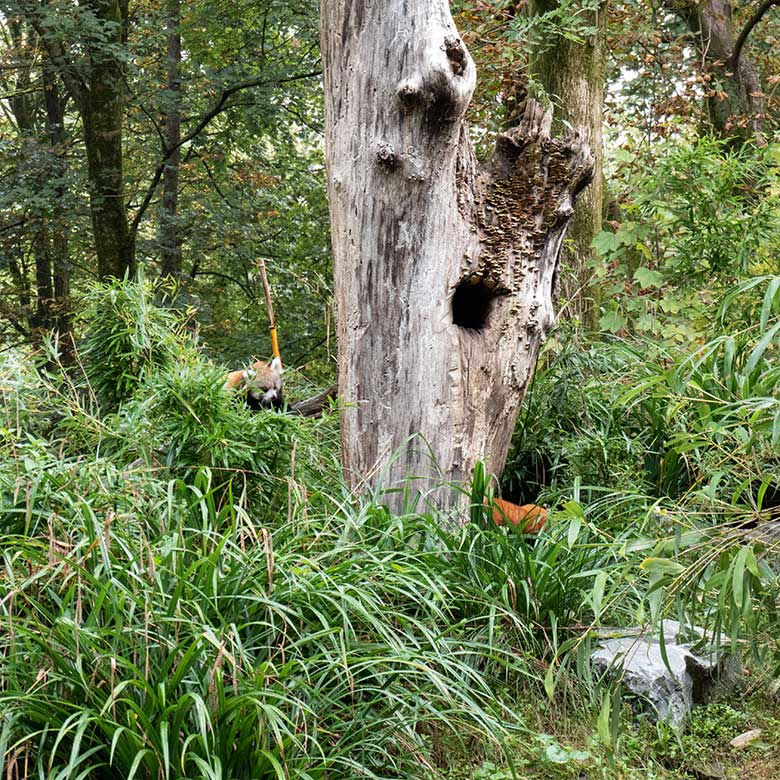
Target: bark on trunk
(574,74)
(736,112)
(24,107)
(102,107)
(443,269)
(170,248)
(43,319)
(96,79)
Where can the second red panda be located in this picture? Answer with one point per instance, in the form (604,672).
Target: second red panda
(529,518)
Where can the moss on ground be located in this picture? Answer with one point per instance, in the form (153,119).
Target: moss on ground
(563,745)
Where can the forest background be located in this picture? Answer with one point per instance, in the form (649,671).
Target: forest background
(189,590)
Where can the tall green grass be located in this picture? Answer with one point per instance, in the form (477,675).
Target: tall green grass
(195,642)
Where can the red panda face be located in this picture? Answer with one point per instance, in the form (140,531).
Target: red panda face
(261,383)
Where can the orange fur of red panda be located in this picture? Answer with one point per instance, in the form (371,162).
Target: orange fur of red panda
(235,378)
(530,518)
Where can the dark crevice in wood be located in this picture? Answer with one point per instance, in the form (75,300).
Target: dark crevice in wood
(386,157)
(472,303)
(456,54)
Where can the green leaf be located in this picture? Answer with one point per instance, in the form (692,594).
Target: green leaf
(602,724)
(758,351)
(769,301)
(645,322)
(648,278)
(549,681)
(662,566)
(738,577)
(575,525)
(612,322)
(606,243)
(597,594)
(751,564)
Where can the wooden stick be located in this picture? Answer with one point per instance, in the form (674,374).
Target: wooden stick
(270,307)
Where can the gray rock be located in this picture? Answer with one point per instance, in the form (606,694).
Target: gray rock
(690,678)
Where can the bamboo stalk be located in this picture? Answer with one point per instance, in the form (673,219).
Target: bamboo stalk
(270,307)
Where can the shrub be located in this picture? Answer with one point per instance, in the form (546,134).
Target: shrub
(126,336)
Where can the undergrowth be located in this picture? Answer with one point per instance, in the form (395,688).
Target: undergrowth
(189,589)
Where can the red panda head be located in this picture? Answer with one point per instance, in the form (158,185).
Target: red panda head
(264,389)
(261,384)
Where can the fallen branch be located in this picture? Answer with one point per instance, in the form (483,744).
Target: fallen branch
(312,407)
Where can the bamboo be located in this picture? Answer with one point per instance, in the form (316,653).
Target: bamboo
(269,306)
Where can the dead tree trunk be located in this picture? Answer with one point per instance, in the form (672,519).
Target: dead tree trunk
(444,269)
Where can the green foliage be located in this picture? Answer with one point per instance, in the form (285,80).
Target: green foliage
(575,424)
(255,604)
(543,29)
(705,426)
(714,210)
(677,459)
(722,411)
(697,219)
(126,338)
(550,582)
(705,741)
(184,640)
(183,415)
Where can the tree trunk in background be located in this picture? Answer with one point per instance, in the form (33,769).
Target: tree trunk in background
(93,75)
(58,226)
(24,104)
(574,76)
(443,269)
(43,319)
(102,107)
(170,248)
(736,111)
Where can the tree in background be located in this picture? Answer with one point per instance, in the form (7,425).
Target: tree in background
(170,244)
(572,70)
(734,96)
(36,196)
(220,157)
(93,73)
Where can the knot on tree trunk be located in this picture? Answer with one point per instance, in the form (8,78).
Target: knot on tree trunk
(441,86)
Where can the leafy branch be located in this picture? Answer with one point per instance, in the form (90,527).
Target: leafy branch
(219,107)
(748,28)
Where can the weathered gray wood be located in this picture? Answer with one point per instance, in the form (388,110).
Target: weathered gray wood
(414,216)
(314,406)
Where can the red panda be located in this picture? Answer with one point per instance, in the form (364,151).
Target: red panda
(261,382)
(529,518)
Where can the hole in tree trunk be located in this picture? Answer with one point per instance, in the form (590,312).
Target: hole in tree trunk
(473,302)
